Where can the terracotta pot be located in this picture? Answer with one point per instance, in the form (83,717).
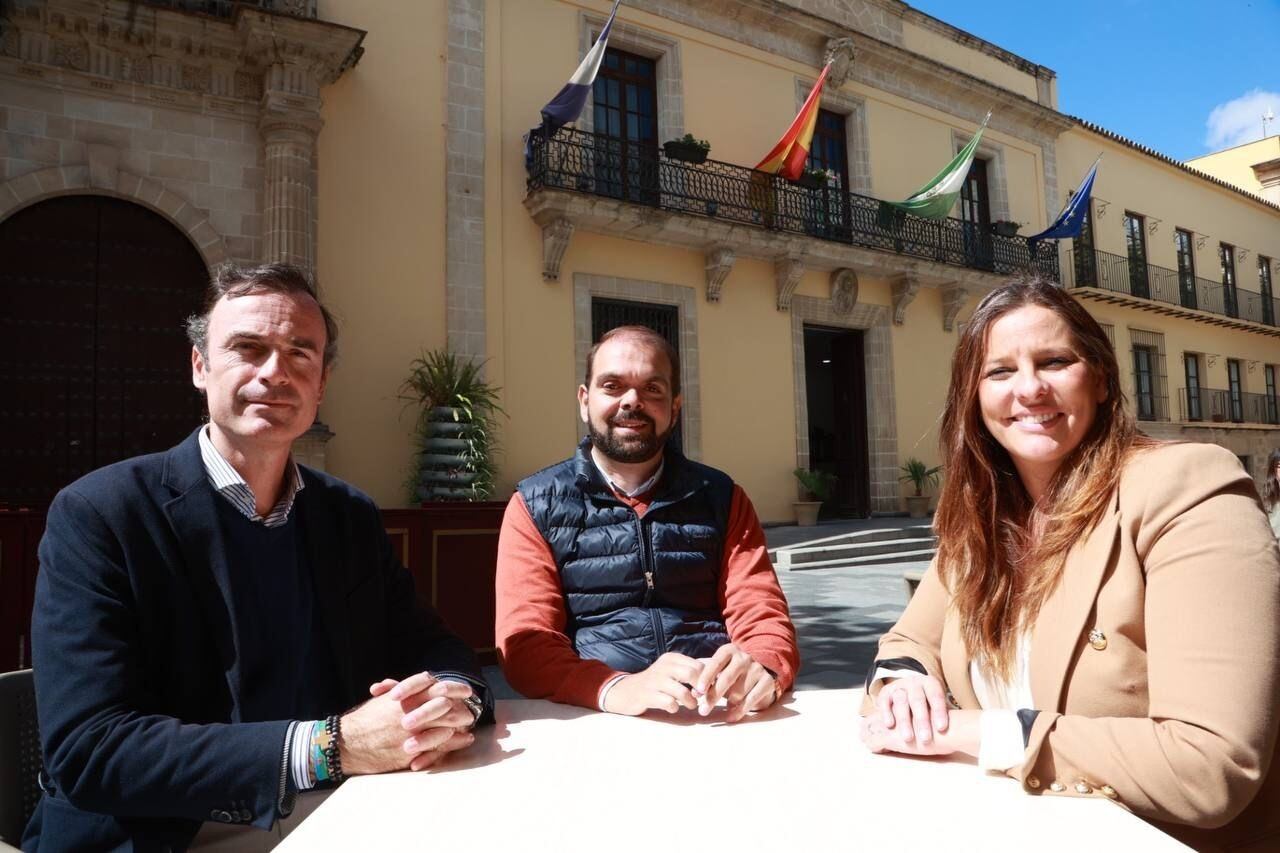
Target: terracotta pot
(918,506)
(807,513)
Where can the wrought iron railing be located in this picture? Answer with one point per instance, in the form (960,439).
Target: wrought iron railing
(1122,274)
(607,166)
(225,8)
(1219,405)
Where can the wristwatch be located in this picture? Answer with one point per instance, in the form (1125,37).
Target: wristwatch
(476,706)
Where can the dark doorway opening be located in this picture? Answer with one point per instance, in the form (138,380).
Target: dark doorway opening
(94,363)
(836,392)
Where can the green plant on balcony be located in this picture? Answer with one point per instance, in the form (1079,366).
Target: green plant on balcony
(687,148)
(455,429)
(816,178)
(1005,228)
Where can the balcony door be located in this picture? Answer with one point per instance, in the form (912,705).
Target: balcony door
(830,151)
(1144,382)
(1083,258)
(1135,242)
(1186,268)
(1264,286)
(975,212)
(1235,390)
(626,127)
(1227,262)
(1191,364)
(1272,405)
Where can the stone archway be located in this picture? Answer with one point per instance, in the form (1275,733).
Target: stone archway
(94,363)
(101,177)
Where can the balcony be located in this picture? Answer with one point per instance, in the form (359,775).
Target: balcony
(642,193)
(1222,406)
(1117,278)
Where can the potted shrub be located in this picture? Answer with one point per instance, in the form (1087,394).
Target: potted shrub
(1005,228)
(815,487)
(815,179)
(457,413)
(921,477)
(687,149)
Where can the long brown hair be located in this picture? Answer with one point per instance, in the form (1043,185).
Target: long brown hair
(999,554)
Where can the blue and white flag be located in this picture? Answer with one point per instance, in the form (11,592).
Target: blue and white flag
(1070,221)
(567,105)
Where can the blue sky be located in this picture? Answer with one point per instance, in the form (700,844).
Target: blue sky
(1184,77)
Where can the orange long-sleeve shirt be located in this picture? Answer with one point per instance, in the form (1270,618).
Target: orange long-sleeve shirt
(538,658)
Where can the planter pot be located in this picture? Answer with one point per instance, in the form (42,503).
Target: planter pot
(684,152)
(812,182)
(917,506)
(1219,418)
(807,512)
(1005,229)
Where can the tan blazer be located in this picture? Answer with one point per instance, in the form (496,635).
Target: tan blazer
(1171,710)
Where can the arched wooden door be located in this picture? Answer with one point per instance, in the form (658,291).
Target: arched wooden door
(94,363)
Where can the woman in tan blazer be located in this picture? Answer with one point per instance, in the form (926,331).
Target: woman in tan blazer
(1101,619)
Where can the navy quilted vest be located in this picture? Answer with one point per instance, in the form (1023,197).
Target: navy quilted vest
(635,587)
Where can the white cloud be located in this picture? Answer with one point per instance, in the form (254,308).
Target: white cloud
(1240,121)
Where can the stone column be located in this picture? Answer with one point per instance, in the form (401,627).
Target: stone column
(289,124)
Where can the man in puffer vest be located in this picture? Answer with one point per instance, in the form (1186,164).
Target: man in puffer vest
(630,578)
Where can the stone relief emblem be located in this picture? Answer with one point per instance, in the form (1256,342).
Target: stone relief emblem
(844,292)
(840,54)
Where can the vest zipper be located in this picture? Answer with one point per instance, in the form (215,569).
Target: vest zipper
(654,618)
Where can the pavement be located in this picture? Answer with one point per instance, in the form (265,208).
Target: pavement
(839,614)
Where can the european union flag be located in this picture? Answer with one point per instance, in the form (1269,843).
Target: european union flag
(1070,221)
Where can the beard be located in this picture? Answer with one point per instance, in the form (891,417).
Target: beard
(632,448)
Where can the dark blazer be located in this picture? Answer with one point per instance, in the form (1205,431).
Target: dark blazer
(136,655)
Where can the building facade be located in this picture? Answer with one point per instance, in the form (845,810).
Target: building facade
(383,144)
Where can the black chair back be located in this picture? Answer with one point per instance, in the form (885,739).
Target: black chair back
(20,759)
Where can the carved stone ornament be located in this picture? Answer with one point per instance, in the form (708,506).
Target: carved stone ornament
(904,289)
(555,240)
(719,263)
(844,292)
(954,298)
(787,272)
(839,53)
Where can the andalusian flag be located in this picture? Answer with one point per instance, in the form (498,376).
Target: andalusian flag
(935,199)
(788,156)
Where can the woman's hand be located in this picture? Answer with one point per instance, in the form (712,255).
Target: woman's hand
(914,708)
(963,734)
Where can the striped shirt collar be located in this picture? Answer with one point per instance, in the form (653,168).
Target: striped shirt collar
(639,490)
(227,482)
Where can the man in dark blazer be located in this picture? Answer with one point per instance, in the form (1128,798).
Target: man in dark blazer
(203,616)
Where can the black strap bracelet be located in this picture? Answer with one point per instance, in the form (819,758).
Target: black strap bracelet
(332,757)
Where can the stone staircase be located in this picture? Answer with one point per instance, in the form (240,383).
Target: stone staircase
(907,542)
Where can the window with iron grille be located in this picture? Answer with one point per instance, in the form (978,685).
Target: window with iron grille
(1194,405)
(1227,261)
(1150,380)
(1135,242)
(609,314)
(1264,286)
(1110,331)
(625,105)
(1235,390)
(1186,267)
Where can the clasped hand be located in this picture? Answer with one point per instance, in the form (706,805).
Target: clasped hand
(677,681)
(406,724)
(911,717)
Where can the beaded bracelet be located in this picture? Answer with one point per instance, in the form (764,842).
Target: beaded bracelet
(317,753)
(333,759)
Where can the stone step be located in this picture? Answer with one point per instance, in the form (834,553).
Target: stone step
(840,550)
(918,556)
(875,535)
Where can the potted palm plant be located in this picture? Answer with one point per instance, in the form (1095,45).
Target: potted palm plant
(815,487)
(921,477)
(457,414)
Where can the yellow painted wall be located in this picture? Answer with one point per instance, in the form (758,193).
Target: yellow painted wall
(939,48)
(380,259)
(1235,165)
(1130,180)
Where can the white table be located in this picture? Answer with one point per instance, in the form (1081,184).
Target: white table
(554,777)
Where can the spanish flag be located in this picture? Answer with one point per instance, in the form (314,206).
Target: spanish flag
(788,156)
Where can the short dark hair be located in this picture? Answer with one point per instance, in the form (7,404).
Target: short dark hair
(645,335)
(230,280)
